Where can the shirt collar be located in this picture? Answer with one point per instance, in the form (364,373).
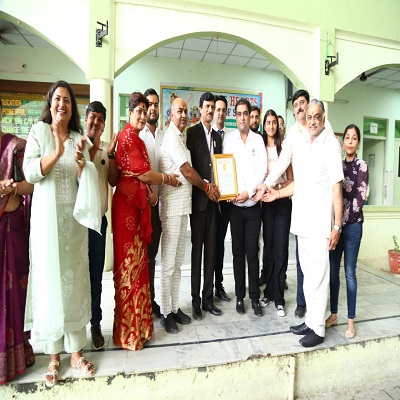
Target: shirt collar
(214,126)
(173,127)
(205,129)
(321,137)
(147,129)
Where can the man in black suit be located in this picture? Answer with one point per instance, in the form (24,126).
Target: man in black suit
(203,142)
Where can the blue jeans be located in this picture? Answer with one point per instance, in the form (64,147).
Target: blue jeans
(349,244)
(97,249)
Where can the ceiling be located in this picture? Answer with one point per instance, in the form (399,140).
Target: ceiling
(388,78)
(15,35)
(214,50)
(204,49)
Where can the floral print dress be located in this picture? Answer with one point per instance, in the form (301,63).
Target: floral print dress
(355,186)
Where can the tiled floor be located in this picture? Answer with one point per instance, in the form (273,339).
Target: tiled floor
(232,337)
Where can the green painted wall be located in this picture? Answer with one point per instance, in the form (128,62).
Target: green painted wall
(151,72)
(367,17)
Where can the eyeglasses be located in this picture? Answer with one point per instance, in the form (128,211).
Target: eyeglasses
(140,111)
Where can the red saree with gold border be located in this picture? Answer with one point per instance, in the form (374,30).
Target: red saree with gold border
(131,221)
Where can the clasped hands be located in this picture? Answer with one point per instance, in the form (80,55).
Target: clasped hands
(7,187)
(261,192)
(213,192)
(173,180)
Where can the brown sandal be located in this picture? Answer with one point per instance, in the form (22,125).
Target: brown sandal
(85,366)
(53,373)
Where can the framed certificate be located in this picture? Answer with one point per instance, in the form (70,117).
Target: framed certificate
(225,175)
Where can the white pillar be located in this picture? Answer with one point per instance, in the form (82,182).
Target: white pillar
(100,90)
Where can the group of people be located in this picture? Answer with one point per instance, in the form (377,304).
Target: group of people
(285,183)
(328,194)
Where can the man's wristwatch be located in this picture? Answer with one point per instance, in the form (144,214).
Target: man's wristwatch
(279,186)
(337,228)
(111,155)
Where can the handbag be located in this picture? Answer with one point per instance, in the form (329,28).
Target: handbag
(17,174)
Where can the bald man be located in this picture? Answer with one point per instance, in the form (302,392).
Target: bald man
(175,206)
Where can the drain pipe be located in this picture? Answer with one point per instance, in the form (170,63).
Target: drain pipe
(292,372)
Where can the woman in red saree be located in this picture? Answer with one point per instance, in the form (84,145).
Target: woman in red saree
(15,351)
(131,221)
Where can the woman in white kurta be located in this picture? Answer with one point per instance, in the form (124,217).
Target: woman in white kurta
(64,204)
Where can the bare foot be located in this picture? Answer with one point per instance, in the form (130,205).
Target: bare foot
(351,329)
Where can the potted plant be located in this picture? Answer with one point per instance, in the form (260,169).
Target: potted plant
(394,257)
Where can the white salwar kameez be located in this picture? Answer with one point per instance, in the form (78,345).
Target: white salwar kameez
(63,207)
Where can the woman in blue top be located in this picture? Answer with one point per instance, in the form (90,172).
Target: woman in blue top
(355,185)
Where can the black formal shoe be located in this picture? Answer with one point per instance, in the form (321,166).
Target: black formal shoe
(169,324)
(211,309)
(156,310)
(181,317)
(301,329)
(240,306)
(262,281)
(97,337)
(255,305)
(196,312)
(299,311)
(311,339)
(221,294)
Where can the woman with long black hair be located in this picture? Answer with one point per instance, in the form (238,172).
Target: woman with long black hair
(276,222)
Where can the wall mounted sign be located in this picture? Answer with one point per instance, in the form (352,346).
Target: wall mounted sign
(191,95)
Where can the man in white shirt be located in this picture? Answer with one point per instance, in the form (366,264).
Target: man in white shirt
(318,174)
(244,213)
(298,130)
(175,206)
(152,137)
(103,156)
(221,105)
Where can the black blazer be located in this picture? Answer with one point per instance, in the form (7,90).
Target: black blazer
(201,160)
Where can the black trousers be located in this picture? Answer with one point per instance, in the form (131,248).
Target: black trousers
(222,227)
(97,251)
(203,225)
(245,229)
(152,247)
(276,218)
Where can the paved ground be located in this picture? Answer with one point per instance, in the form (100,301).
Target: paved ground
(233,337)
(389,390)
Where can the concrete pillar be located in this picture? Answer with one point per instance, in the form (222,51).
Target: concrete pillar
(100,90)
